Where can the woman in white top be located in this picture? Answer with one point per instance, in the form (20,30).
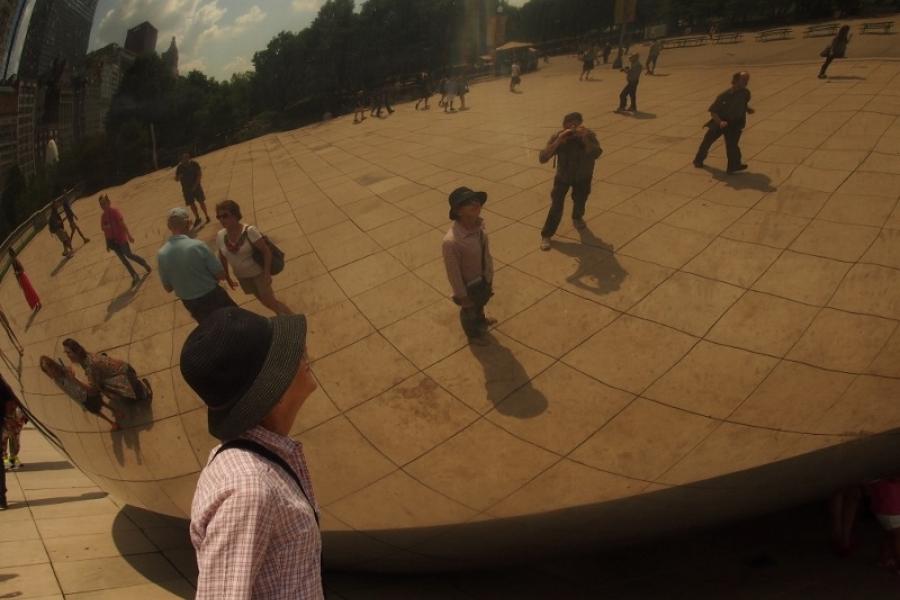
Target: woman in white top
(235,243)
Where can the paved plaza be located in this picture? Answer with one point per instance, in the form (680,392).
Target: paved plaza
(701,329)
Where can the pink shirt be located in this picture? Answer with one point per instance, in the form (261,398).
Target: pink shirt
(461,249)
(113,225)
(885,495)
(254,533)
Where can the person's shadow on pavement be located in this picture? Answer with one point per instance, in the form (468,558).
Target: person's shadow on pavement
(743,180)
(507,384)
(598,269)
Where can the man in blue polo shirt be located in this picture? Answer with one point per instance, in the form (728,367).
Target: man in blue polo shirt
(191,270)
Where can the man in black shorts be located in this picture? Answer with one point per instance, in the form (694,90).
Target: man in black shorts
(189,174)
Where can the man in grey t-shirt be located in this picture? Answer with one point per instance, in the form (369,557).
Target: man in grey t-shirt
(633,77)
(728,116)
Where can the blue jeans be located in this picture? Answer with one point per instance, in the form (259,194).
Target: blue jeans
(123,251)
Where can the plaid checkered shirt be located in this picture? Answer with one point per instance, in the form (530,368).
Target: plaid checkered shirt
(254,533)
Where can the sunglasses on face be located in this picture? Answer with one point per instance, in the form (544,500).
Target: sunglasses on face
(221,216)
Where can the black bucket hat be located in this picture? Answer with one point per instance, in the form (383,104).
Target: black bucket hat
(463,195)
(240,364)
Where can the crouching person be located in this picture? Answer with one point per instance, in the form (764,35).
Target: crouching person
(467,258)
(254,517)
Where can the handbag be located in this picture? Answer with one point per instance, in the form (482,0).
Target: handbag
(479,290)
(277,265)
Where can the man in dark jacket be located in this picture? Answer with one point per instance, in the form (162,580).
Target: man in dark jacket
(728,117)
(576,150)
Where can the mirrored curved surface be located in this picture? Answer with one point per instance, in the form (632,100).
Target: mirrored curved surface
(709,346)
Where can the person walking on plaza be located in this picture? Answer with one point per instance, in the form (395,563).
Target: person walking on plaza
(190,175)
(359,114)
(462,88)
(5,396)
(587,64)
(515,77)
(836,49)
(254,516)
(85,395)
(191,270)
(119,239)
(31,297)
(12,430)
(450,96)
(423,83)
(56,227)
(576,150)
(653,56)
(71,217)
(632,78)
(114,378)
(468,261)
(607,50)
(728,117)
(238,246)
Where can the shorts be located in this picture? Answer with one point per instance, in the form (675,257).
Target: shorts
(191,196)
(93,403)
(889,522)
(253,285)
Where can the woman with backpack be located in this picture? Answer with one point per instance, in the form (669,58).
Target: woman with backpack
(250,255)
(836,49)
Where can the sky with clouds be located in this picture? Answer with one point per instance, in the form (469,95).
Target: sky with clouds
(217,37)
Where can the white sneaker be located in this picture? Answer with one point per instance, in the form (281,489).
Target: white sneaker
(545,243)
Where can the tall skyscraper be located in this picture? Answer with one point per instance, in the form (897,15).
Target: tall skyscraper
(141,39)
(57,29)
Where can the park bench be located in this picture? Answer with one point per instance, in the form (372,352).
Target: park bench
(684,42)
(823,29)
(781,33)
(732,37)
(884,26)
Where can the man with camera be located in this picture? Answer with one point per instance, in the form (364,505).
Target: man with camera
(467,258)
(576,150)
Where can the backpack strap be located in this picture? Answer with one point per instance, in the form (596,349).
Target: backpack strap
(264,452)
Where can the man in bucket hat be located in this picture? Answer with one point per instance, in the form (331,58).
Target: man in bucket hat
(467,258)
(254,518)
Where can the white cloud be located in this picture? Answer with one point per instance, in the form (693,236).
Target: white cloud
(239,64)
(307,5)
(254,15)
(193,23)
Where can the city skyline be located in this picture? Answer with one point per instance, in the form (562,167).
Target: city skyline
(216,37)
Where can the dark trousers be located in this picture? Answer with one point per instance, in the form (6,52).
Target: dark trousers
(473,320)
(580,192)
(205,305)
(651,63)
(123,251)
(827,62)
(732,135)
(630,89)
(2,477)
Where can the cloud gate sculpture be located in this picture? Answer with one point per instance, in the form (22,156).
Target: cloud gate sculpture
(709,347)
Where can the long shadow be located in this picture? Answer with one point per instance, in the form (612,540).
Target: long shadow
(858,77)
(50,465)
(62,262)
(123,299)
(640,115)
(508,385)
(743,180)
(598,269)
(32,317)
(136,417)
(66,499)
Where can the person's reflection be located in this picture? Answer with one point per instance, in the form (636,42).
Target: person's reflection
(80,392)
(507,384)
(114,378)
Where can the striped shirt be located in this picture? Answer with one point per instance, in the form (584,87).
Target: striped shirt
(254,532)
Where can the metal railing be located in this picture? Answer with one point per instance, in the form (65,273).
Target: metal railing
(24,233)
